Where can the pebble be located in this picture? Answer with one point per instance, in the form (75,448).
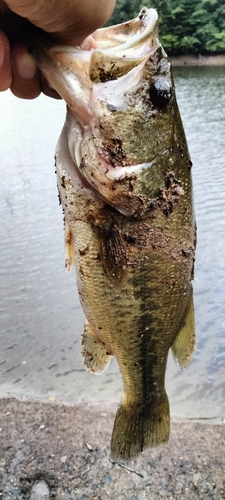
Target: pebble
(196,477)
(108,479)
(40,491)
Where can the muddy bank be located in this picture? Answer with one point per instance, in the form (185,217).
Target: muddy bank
(50,451)
(198,60)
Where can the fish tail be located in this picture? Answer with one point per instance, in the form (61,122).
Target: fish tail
(138,427)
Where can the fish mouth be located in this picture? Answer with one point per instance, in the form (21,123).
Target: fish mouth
(94,85)
(74,73)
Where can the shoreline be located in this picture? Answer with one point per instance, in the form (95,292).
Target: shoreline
(52,451)
(198,60)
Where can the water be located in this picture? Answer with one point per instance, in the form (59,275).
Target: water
(40,316)
(200,93)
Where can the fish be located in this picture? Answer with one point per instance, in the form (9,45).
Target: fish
(124,181)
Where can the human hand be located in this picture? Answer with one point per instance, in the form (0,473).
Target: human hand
(67,21)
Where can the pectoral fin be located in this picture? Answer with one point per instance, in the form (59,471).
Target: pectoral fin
(96,357)
(184,343)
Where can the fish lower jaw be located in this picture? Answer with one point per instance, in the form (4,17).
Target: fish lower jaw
(119,173)
(105,169)
(114,185)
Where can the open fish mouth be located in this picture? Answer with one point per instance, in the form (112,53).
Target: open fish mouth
(108,92)
(117,50)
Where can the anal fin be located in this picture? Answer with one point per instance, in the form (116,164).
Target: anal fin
(184,344)
(96,357)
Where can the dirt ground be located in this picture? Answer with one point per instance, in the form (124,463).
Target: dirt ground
(52,451)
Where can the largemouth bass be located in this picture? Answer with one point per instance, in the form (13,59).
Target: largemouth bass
(124,180)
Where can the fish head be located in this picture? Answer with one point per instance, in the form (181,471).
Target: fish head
(121,110)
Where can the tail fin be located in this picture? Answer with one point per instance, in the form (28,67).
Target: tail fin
(139,427)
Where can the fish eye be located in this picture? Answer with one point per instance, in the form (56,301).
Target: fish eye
(160,94)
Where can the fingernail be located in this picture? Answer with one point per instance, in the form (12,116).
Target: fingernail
(25,65)
(2,53)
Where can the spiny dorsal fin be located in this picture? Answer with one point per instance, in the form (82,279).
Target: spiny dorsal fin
(184,344)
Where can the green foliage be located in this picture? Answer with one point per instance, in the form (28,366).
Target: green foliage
(185,26)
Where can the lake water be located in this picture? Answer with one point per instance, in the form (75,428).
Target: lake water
(40,316)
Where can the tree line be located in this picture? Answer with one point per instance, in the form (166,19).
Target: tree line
(185,26)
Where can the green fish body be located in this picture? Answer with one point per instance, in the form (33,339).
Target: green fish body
(124,179)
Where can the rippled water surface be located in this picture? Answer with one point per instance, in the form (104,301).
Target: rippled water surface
(40,316)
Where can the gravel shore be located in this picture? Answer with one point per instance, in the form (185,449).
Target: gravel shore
(52,451)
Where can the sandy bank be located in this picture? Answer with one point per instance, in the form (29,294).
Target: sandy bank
(63,451)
